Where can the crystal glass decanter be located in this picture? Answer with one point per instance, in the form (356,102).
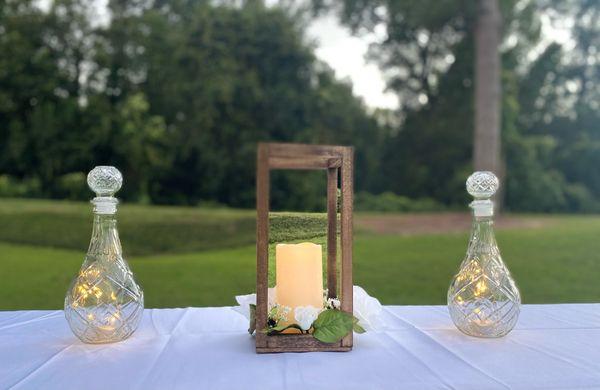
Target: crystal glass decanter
(104,304)
(483,300)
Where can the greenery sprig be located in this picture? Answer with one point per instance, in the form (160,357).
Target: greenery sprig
(330,326)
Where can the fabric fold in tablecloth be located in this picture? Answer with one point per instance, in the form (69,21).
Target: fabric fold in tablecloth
(552,347)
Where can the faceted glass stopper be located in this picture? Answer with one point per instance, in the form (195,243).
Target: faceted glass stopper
(105,180)
(482,184)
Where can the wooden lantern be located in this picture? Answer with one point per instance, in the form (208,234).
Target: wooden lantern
(337,161)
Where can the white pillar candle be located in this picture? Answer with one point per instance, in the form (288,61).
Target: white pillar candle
(299,275)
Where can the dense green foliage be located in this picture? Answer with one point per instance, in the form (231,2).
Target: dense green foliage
(562,256)
(178,93)
(550,110)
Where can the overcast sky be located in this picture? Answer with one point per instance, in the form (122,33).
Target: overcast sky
(346,55)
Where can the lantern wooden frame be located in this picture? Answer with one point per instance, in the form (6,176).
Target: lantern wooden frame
(337,161)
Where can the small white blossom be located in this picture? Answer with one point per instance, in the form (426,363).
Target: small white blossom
(279,313)
(306,315)
(333,303)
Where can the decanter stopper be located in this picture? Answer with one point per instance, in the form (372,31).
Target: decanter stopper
(482,185)
(105,181)
(104,304)
(483,299)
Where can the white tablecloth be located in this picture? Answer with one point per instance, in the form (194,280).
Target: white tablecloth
(552,347)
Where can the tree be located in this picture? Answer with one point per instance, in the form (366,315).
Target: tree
(176,94)
(36,103)
(546,122)
(486,145)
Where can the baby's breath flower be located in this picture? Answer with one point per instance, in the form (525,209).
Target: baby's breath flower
(333,303)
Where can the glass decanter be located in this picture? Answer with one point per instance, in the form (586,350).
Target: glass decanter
(483,299)
(104,304)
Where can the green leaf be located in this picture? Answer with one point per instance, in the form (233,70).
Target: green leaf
(356,327)
(281,328)
(332,325)
(252,326)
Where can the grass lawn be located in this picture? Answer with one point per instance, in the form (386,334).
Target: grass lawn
(559,262)
(144,230)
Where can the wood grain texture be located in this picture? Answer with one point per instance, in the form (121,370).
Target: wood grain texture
(262,240)
(332,187)
(299,343)
(347,234)
(305,162)
(299,150)
(338,161)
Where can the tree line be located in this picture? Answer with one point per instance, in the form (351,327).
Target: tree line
(550,92)
(177,94)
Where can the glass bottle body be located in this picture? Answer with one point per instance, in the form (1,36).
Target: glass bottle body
(104,303)
(483,299)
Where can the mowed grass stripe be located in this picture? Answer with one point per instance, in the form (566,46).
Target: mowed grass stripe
(558,263)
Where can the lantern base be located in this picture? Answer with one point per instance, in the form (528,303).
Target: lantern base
(299,343)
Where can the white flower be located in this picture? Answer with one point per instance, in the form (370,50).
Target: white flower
(333,303)
(244,302)
(306,315)
(367,310)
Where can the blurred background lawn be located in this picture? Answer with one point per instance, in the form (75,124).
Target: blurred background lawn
(179,261)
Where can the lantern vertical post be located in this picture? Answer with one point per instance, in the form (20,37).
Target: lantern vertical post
(332,192)
(262,241)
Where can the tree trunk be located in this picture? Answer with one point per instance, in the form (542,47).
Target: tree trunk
(488,94)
